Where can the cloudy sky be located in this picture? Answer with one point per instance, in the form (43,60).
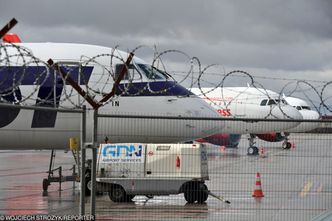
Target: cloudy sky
(273,40)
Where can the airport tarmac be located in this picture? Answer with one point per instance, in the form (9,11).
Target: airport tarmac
(297,185)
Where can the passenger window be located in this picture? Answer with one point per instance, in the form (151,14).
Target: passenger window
(263,103)
(132,73)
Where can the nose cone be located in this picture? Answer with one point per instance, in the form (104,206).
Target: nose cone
(199,108)
(310,114)
(193,107)
(286,112)
(306,126)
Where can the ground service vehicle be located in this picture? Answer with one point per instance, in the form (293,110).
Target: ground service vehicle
(129,169)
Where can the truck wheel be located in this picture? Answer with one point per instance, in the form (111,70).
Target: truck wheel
(87,187)
(196,191)
(202,194)
(189,196)
(87,182)
(129,198)
(191,192)
(117,194)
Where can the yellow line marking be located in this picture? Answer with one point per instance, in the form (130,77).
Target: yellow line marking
(320,189)
(306,189)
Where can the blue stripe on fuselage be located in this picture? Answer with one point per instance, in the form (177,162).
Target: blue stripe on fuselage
(37,75)
(12,77)
(40,75)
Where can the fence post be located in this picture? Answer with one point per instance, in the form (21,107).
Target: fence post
(94,164)
(83,156)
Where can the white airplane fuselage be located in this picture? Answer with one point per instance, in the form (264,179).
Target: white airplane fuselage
(307,113)
(27,82)
(246,102)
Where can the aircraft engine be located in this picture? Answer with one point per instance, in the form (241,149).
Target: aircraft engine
(227,140)
(273,136)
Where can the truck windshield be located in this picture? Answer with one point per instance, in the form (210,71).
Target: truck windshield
(152,72)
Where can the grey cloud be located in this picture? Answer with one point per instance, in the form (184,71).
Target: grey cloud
(275,35)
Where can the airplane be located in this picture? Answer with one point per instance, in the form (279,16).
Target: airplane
(307,113)
(247,102)
(26,79)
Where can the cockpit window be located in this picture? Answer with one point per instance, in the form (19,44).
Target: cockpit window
(152,72)
(132,72)
(302,107)
(263,103)
(282,101)
(273,102)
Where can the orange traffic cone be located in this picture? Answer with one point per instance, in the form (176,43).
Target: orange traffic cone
(258,190)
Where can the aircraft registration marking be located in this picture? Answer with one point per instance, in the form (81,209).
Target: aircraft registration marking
(224,112)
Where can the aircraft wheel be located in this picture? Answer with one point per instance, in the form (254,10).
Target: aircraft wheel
(253,150)
(117,194)
(286,145)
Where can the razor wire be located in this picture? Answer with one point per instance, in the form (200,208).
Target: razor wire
(16,62)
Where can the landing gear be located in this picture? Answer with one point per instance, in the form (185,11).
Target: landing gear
(196,191)
(252,149)
(286,144)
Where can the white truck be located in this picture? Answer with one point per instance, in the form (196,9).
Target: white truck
(129,169)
